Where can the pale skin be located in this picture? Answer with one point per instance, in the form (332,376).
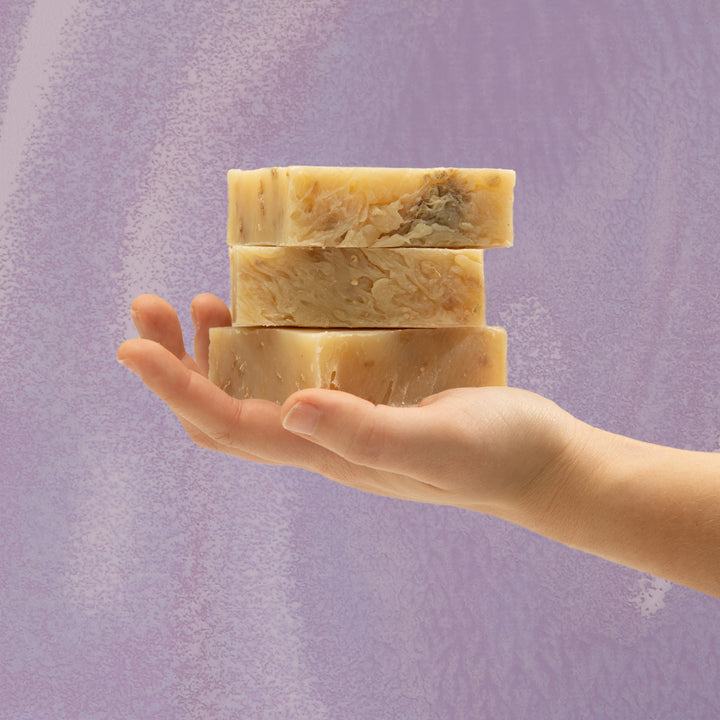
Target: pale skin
(501,451)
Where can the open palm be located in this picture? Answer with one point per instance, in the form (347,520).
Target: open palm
(478,448)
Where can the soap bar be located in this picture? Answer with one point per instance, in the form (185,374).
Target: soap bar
(371,207)
(393,367)
(356,287)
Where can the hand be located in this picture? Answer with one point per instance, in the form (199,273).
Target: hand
(487,449)
(501,451)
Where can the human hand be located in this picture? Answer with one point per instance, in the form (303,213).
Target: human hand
(501,451)
(487,449)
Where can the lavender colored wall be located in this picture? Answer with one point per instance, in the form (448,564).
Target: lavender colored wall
(142,577)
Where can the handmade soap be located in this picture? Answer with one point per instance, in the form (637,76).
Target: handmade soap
(371,207)
(356,287)
(394,367)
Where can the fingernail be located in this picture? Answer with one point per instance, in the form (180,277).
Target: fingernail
(302,418)
(128,365)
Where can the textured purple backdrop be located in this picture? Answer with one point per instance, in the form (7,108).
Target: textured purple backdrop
(142,577)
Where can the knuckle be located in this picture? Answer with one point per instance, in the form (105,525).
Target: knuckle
(199,437)
(227,433)
(367,444)
(174,393)
(327,466)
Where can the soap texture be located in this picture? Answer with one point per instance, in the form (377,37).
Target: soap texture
(356,287)
(371,207)
(393,367)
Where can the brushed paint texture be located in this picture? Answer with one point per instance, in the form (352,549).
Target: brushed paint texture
(143,577)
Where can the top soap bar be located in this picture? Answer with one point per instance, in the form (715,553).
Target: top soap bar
(371,207)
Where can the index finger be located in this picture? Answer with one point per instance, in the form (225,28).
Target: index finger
(247,426)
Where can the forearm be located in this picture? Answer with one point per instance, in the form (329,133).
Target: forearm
(649,507)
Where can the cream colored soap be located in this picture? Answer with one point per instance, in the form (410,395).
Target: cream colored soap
(393,367)
(356,287)
(371,207)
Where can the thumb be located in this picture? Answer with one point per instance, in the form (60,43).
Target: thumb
(396,439)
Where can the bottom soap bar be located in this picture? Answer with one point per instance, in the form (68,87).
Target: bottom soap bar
(391,367)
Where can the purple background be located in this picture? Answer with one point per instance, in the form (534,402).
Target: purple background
(142,577)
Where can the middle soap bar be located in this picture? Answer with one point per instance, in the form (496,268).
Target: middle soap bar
(356,287)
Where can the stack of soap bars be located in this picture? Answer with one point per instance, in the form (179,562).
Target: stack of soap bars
(367,280)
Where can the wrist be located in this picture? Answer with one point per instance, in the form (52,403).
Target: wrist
(566,489)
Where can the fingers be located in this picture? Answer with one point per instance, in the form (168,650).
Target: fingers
(187,393)
(396,439)
(155,319)
(207,311)
(250,428)
(377,449)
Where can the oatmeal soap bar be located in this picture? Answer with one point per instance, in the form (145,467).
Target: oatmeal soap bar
(371,207)
(392,367)
(356,287)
